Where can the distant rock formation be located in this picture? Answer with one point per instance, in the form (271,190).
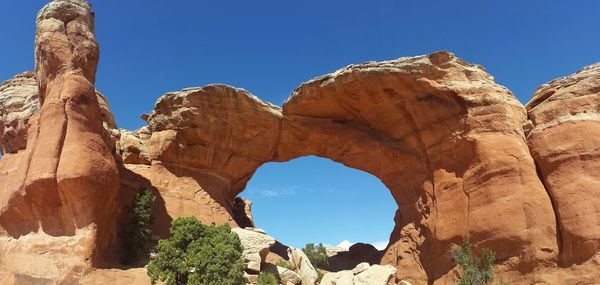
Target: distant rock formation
(356,254)
(19,101)
(460,155)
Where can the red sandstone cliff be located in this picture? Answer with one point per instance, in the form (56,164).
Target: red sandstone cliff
(460,155)
(57,198)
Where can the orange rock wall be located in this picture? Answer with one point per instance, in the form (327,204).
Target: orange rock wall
(565,143)
(58,195)
(440,133)
(460,155)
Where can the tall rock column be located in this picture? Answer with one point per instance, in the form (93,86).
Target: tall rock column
(63,186)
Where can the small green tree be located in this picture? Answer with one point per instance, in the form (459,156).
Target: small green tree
(198,254)
(475,270)
(317,254)
(137,232)
(267,278)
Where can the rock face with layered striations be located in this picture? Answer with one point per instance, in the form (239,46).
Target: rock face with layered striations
(19,102)
(300,263)
(564,138)
(256,244)
(439,132)
(459,154)
(225,131)
(57,198)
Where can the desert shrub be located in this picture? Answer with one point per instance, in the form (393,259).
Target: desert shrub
(319,275)
(198,254)
(316,254)
(137,232)
(267,278)
(283,263)
(475,270)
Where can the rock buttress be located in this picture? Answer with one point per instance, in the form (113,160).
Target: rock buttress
(57,201)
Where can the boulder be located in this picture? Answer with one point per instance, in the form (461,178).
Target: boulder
(344,277)
(132,146)
(376,275)
(360,268)
(250,278)
(288,276)
(362,274)
(283,274)
(301,265)
(256,246)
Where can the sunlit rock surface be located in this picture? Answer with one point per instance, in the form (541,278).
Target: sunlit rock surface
(459,154)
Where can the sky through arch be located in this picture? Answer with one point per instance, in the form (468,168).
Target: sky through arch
(313,199)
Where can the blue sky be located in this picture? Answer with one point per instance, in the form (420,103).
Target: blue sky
(270,47)
(312,199)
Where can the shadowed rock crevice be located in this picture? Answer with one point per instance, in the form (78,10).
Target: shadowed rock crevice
(556,215)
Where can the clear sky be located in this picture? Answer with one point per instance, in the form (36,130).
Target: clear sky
(270,47)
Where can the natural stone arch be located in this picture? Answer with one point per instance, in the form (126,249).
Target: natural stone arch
(440,133)
(458,137)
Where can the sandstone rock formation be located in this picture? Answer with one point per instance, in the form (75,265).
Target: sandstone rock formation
(256,244)
(284,275)
(356,254)
(362,274)
(19,102)
(344,277)
(242,212)
(440,133)
(460,155)
(334,250)
(376,274)
(131,146)
(301,264)
(565,143)
(57,198)
(116,277)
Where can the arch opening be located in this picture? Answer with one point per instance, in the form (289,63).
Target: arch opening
(316,200)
